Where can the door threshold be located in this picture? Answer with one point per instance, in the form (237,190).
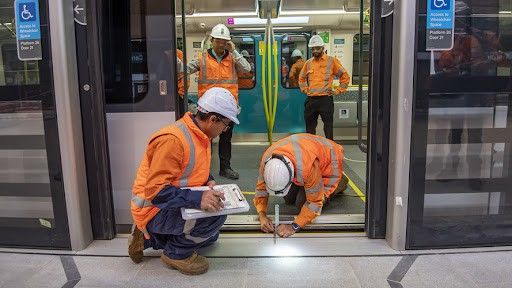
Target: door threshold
(322,222)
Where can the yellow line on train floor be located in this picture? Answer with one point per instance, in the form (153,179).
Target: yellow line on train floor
(248,193)
(356,189)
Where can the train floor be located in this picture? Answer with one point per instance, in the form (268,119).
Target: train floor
(246,159)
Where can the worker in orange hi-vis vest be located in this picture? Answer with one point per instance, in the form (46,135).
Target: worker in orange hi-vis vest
(246,79)
(305,169)
(178,156)
(315,80)
(220,66)
(298,63)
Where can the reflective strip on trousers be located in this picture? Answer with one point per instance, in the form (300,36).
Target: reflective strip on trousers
(141,202)
(183,181)
(204,79)
(187,228)
(313,207)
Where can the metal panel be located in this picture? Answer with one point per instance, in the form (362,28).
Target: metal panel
(217,6)
(67,104)
(404,32)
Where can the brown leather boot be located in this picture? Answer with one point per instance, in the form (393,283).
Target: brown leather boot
(136,245)
(193,265)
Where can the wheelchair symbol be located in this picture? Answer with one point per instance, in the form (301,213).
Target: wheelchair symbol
(25,14)
(440,3)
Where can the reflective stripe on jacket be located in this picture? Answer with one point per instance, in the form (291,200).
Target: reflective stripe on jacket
(318,165)
(159,167)
(316,76)
(215,74)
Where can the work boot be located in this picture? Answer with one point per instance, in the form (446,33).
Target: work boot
(229,173)
(193,265)
(136,245)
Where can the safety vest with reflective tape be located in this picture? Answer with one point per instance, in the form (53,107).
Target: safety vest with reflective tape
(303,149)
(194,170)
(215,74)
(317,75)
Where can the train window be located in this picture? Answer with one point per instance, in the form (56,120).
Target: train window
(293,55)
(16,72)
(246,47)
(365,59)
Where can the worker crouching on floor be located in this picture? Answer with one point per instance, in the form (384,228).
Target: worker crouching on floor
(306,170)
(176,157)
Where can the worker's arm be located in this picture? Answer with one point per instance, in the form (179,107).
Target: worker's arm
(314,188)
(193,66)
(241,64)
(294,71)
(303,79)
(164,167)
(342,74)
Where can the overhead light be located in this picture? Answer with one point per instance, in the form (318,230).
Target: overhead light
(222,14)
(317,12)
(263,28)
(505,12)
(280,20)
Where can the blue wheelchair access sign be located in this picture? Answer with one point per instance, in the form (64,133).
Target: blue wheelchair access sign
(28,29)
(440,24)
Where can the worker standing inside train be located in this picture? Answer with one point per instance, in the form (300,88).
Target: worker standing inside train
(298,63)
(246,79)
(315,80)
(219,66)
(307,171)
(176,157)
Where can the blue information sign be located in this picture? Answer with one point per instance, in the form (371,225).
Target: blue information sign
(28,29)
(440,24)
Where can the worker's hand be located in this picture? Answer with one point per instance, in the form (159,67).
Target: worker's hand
(211,201)
(211,183)
(266,224)
(230,46)
(285,230)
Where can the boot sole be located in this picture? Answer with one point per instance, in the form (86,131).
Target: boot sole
(136,248)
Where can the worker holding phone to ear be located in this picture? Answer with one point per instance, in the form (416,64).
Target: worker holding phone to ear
(219,66)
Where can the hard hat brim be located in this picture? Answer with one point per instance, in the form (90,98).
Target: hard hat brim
(222,37)
(284,192)
(311,46)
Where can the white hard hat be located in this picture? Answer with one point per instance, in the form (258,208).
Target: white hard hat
(316,41)
(220,31)
(296,53)
(278,175)
(245,53)
(219,100)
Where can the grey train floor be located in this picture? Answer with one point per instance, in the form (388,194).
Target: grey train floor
(246,158)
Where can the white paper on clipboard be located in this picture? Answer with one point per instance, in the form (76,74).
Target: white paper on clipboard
(235,202)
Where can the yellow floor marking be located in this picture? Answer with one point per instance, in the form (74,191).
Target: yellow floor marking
(248,193)
(356,189)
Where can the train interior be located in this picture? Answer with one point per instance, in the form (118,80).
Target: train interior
(140,54)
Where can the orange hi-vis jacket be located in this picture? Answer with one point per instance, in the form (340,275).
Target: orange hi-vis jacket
(315,78)
(318,166)
(181,80)
(295,71)
(245,80)
(215,74)
(177,155)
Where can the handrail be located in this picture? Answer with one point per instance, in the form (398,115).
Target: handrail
(264,85)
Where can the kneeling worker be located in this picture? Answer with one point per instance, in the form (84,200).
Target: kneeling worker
(300,166)
(179,156)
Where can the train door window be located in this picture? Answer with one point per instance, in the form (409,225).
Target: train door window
(293,54)
(365,59)
(246,47)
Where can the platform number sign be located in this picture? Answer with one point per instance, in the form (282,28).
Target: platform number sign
(28,29)
(440,24)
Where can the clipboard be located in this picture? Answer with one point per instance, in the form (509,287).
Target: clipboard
(235,202)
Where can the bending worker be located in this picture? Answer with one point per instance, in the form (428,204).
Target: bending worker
(298,63)
(315,80)
(305,169)
(176,157)
(246,79)
(219,67)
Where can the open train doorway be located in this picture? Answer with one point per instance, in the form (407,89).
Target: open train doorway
(144,92)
